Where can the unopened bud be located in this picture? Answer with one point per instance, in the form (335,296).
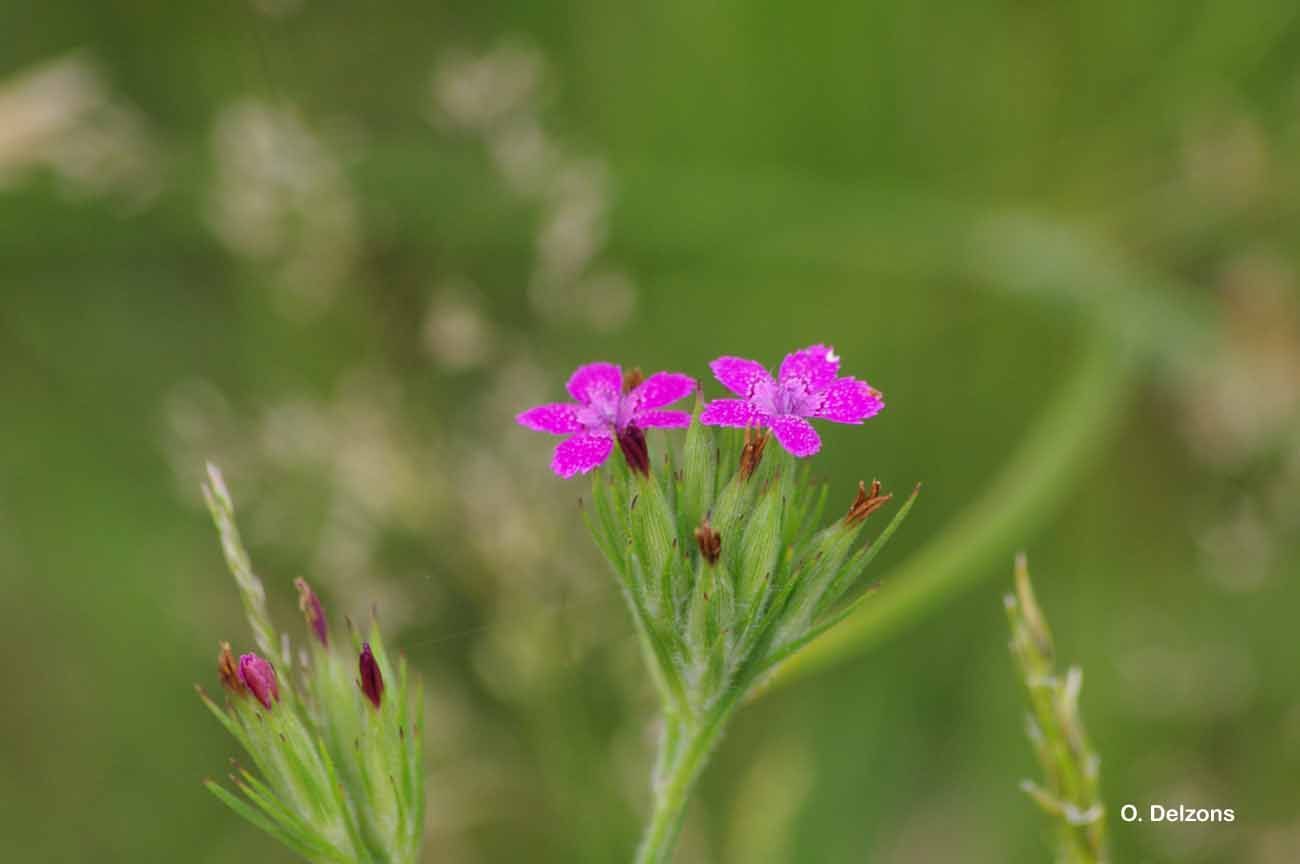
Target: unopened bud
(635,450)
(372,680)
(228,669)
(755,441)
(867,502)
(709,541)
(258,676)
(309,603)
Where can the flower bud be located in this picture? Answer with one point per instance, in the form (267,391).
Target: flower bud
(635,450)
(309,603)
(229,671)
(259,677)
(372,680)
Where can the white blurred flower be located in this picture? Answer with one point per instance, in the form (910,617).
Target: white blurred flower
(1276,845)
(496,97)
(476,93)
(1247,398)
(61,115)
(1163,675)
(1238,550)
(281,199)
(524,155)
(608,298)
(456,332)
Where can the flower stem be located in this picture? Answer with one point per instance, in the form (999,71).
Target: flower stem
(683,753)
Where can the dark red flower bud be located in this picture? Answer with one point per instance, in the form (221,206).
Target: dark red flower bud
(635,450)
(372,680)
(259,677)
(309,603)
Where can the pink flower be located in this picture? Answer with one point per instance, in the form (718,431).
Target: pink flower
(259,677)
(808,386)
(605,411)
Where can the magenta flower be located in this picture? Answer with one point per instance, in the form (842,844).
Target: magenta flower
(605,411)
(259,677)
(808,386)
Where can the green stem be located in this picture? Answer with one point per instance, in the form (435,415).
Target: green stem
(684,751)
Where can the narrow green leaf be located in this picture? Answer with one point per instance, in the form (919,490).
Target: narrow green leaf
(305,846)
(788,648)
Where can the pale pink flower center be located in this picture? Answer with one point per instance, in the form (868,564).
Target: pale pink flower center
(787,397)
(605,412)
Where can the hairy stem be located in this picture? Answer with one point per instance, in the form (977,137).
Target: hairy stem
(684,751)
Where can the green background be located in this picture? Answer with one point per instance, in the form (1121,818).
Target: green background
(960,198)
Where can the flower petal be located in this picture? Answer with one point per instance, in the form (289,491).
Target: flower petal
(558,418)
(849,400)
(660,389)
(663,419)
(815,367)
(731,412)
(600,382)
(796,435)
(739,375)
(580,454)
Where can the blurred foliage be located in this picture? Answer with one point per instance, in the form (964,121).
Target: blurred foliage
(335,250)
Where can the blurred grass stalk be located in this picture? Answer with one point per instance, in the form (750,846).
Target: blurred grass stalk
(1032,485)
(1070,792)
(1135,320)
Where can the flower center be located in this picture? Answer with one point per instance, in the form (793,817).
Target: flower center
(606,411)
(787,397)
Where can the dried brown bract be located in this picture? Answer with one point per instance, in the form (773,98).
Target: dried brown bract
(709,541)
(228,669)
(755,441)
(867,502)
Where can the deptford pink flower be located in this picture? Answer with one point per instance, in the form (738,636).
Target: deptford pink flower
(372,680)
(808,386)
(309,603)
(604,411)
(259,677)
